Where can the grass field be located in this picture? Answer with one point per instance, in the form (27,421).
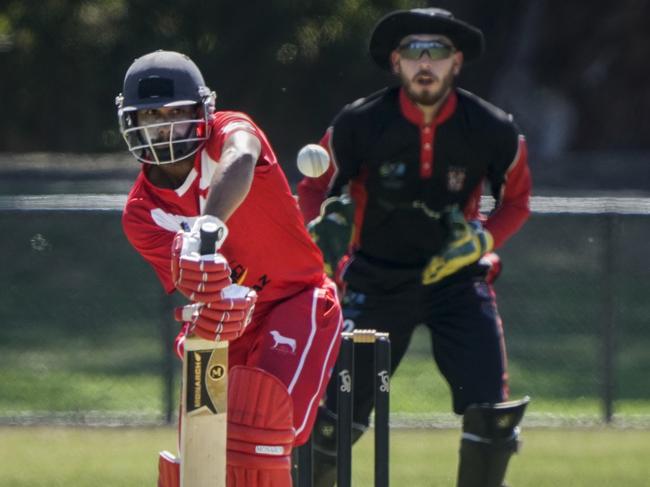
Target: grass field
(82,335)
(125,457)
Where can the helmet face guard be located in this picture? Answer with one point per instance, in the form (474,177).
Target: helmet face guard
(183,137)
(164,79)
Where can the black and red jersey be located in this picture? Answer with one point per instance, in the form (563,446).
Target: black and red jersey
(402,173)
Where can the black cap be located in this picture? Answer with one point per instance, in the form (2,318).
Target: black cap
(392,28)
(162,79)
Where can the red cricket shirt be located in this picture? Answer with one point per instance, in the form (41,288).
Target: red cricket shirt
(267,247)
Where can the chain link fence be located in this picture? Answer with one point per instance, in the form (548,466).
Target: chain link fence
(86,331)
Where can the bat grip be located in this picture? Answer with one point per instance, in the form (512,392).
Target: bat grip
(210,234)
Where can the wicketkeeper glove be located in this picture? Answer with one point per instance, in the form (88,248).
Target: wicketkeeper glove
(223,320)
(200,278)
(467,243)
(332,230)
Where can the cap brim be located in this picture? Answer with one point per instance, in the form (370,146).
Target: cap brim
(391,29)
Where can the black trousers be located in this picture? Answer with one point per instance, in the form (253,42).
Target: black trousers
(460,312)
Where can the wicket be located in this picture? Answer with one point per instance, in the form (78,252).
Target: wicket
(345,401)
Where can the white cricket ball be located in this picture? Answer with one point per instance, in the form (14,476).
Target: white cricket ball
(313,160)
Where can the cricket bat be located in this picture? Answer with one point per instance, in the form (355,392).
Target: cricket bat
(204,401)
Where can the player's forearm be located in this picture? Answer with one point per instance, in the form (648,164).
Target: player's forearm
(505,222)
(514,207)
(230,184)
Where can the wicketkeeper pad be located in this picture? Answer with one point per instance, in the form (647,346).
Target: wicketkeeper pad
(490,437)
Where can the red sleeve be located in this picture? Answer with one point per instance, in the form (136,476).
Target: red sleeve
(313,191)
(227,123)
(152,242)
(513,203)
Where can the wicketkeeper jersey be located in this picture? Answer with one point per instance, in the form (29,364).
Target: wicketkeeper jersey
(403,173)
(267,247)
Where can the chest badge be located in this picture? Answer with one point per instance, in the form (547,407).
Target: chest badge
(455,178)
(392,169)
(392,174)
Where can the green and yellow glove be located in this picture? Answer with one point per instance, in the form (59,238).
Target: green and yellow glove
(467,243)
(332,230)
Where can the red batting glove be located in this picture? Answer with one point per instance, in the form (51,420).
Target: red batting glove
(200,278)
(223,320)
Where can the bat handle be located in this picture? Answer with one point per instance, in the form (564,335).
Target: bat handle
(210,235)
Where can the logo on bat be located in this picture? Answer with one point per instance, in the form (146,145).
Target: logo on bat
(217,372)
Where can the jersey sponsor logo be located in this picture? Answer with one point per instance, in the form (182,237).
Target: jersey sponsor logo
(239,274)
(282,343)
(392,174)
(455,178)
(392,169)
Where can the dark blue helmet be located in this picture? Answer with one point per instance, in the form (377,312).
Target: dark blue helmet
(164,79)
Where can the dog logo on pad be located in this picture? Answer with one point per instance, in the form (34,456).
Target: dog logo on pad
(281,342)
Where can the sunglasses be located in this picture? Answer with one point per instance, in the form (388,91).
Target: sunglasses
(436,50)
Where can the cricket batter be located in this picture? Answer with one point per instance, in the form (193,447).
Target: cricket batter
(415,158)
(202,165)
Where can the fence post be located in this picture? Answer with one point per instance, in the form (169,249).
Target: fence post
(167,360)
(609,310)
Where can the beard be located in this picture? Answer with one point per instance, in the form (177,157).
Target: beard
(426,96)
(170,145)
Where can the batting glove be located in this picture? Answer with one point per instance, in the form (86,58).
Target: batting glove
(222,320)
(200,278)
(467,243)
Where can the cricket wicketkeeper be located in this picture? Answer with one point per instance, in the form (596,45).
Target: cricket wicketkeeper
(202,165)
(414,159)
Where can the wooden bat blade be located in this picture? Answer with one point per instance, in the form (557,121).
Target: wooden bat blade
(204,413)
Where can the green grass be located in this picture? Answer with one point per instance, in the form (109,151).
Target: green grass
(123,378)
(52,457)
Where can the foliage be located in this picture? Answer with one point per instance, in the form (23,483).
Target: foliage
(68,58)
(293,64)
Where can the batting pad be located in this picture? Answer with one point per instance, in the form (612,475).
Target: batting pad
(169,470)
(260,429)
